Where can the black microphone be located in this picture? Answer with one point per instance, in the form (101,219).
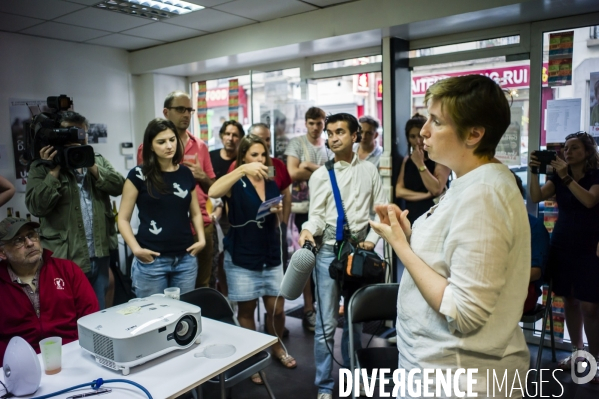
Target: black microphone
(300,266)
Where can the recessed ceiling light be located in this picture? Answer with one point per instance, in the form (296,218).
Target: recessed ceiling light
(153,9)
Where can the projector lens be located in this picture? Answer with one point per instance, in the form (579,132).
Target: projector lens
(185,330)
(182,328)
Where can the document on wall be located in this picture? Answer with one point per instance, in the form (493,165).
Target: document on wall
(563,118)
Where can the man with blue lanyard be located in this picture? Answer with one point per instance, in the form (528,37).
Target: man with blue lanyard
(360,190)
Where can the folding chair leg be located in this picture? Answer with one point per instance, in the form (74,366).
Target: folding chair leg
(553,358)
(540,351)
(223,391)
(266,384)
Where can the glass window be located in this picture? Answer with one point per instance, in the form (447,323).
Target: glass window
(348,63)
(475,45)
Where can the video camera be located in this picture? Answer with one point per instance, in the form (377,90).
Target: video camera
(45,129)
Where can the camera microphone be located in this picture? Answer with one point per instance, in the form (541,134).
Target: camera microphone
(300,266)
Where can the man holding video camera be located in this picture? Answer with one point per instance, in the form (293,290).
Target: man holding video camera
(360,189)
(73,205)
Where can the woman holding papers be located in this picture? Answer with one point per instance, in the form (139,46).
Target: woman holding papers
(253,244)
(467,260)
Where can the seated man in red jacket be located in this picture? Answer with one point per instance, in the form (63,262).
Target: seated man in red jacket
(41,296)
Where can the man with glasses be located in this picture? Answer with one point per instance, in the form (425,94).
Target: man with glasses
(178,109)
(74,209)
(42,296)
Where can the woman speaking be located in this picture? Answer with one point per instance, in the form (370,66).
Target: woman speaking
(467,260)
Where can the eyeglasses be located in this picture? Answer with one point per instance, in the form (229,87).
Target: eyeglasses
(578,135)
(19,242)
(182,110)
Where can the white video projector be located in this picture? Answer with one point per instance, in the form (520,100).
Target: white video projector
(136,332)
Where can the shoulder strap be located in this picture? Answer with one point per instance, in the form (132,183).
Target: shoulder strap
(341,220)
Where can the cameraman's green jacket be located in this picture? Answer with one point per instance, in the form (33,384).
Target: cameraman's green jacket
(56,202)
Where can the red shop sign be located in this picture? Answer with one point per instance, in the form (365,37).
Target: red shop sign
(513,77)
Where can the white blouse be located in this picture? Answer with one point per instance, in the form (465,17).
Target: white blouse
(478,237)
(360,189)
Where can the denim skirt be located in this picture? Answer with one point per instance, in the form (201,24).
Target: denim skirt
(246,285)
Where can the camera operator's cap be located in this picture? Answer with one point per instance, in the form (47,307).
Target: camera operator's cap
(9,227)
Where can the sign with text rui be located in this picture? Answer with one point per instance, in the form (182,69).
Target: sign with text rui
(512,77)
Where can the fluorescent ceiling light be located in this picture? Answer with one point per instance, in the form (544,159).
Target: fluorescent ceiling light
(152,9)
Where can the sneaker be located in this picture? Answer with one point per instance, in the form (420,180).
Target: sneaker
(324,395)
(309,320)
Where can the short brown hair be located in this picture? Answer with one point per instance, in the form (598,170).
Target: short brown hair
(472,101)
(315,113)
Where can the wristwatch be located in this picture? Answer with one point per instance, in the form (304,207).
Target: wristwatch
(422,168)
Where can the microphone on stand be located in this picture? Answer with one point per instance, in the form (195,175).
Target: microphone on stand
(300,266)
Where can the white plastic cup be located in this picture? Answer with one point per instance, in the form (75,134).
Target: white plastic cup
(51,349)
(173,292)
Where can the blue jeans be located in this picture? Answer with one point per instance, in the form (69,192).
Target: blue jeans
(163,272)
(98,278)
(327,297)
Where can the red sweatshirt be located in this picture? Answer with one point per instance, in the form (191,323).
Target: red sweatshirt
(65,296)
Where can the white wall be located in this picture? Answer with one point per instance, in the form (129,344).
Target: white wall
(96,78)
(149,92)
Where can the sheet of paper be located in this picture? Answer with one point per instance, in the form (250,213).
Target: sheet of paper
(264,209)
(563,118)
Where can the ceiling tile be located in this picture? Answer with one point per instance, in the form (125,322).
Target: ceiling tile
(13,23)
(165,32)
(210,20)
(103,19)
(265,10)
(85,2)
(43,9)
(124,42)
(55,30)
(208,3)
(325,3)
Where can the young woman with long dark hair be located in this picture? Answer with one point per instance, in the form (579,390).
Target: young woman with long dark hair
(164,192)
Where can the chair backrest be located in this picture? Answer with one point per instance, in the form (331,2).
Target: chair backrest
(374,302)
(213,304)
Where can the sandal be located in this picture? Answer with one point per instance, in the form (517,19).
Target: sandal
(566,364)
(287,360)
(256,379)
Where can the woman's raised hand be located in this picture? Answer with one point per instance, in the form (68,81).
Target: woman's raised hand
(392,229)
(418,156)
(560,166)
(533,162)
(256,169)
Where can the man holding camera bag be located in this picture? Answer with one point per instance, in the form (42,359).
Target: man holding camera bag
(74,209)
(360,188)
